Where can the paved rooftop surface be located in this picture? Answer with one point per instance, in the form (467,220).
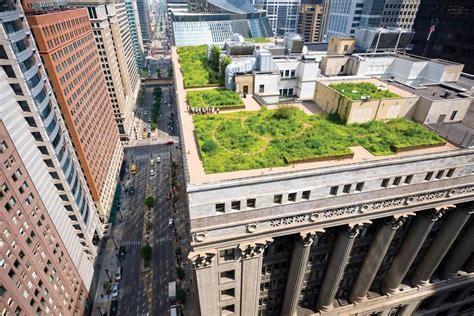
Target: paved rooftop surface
(194,165)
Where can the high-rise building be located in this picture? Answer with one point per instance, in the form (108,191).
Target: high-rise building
(112,35)
(362,234)
(310,18)
(344,17)
(49,222)
(135,32)
(144,17)
(67,47)
(445,29)
(283,14)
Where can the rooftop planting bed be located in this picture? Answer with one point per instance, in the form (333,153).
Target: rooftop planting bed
(259,40)
(355,91)
(222,99)
(196,69)
(272,138)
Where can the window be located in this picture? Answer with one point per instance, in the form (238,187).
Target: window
(359,186)
(439,174)
(397,180)
(346,188)
(235,205)
(227,276)
(287,73)
(227,294)
(261,88)
(292,197)
(408,179)
(227,254)
(429,175)
(453,115)
(277,199)
(293,74)
(251,203)
(305,195)
(385,182)
(333,191)
(450,173)
(220,207)
(229,309)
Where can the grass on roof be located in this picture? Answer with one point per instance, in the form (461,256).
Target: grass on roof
(214,98)
(195,67)
(272,138)
(259,40)
(355,91)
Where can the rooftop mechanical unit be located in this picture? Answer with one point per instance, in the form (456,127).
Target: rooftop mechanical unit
(381,39)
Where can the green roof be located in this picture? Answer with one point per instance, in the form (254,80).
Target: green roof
(357,90)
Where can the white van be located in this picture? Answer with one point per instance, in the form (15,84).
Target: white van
(118,273)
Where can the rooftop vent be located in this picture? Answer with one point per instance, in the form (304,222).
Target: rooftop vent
(447,94)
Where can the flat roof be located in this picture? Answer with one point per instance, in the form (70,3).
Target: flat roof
(434,92)
(194,166)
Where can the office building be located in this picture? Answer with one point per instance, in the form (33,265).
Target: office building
(310,19)
(214,22)
(112,35)
(67,48)
(362,234)
(452,28)
(346,16)
(49,222)
(144,17)
(283,15)
(135,32)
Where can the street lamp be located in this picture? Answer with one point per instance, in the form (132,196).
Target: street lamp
(107,272)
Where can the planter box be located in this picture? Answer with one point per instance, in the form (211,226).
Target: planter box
(414,147)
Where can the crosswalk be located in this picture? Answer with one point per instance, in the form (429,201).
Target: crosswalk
(139,242)
(165,155)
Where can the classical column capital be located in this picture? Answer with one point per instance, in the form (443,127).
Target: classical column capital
(202,260)
(254,249)
(395,222)
(353,230)
(434,215)
(307,238)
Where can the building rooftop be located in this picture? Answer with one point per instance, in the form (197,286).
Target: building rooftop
(195,168)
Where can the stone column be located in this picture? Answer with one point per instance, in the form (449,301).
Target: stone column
(440,246)
(410,247)
(299,262)
(252,256)
(460,254)
(374,258)
(410,308)
(206,282)
(336,266)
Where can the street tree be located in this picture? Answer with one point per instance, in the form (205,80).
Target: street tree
(145,252)
(149,201)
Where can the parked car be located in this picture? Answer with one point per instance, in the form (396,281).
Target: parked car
(114,307)
(144,112)
(152,172)
(118,273)
(170,142)
(121,254)
(152,162)
(158,159)
(115,290)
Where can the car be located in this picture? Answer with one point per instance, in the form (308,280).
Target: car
(115,290)
(170,142)
(158,159)
(131,190)
(121,254)
(118,273)
(152,172)
(170,222)
(152,162)
(149,120)
(114,307)
(144,112)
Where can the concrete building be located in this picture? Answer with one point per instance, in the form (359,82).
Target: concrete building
(49,222)
(310,19)
(364,235)
(283,15)
(112,34)
(135,32)
(399,13)
(67,48)
(343,17)
(453,28)
(144,17)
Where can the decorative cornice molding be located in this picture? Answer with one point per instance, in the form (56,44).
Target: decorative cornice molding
(202,260)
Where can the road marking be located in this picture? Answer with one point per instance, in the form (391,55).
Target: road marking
(130,242)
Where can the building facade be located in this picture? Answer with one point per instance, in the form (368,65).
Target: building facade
(399,13)
(453,29)
(50,224)
(135,32)
(310,19)
(67,47)
(283,14)
(343,17)
(144,17)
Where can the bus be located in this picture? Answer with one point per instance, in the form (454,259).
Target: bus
(133,168)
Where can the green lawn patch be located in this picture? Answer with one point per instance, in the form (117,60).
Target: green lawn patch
(272,138)
(196,69)
(259,40)
(214,98)
(355,91)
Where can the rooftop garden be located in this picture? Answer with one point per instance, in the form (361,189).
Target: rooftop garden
(259,40)
(197,70)
(273,138)
(222,99)
(357,90)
